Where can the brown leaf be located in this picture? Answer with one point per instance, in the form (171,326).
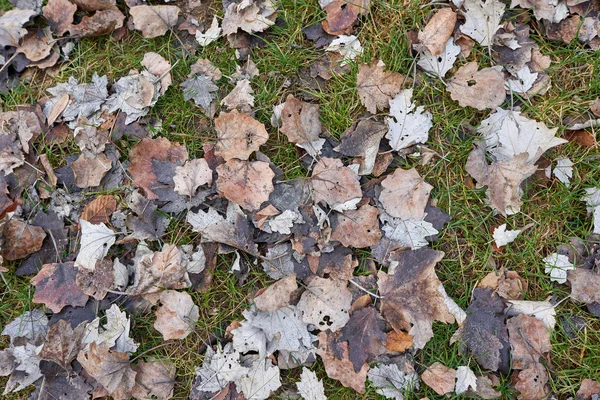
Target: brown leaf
(189,177)
(102,22)
(155,378)
(405,194)
(478,89)
(154,21)
(145,152)
(342,14)
(531,383)
(507,284)
(21,239)
(435,35)
(110,368)
(35,48)
(277,295)
(89,171)
(376,86)
(176,316)
(99,210)
(7,204)
(357,228)
(440,378)
(584,138)
(59,14)
(365,336)
(246,183)
(485,387)
(587,389)
(335,185)
(337,365)
(96,283)
(55,287)
(238,135)
(585,285)
(398,341)
(52,179)
(300,121)
(529,340)
(411,300)
(63,343)
(162,270)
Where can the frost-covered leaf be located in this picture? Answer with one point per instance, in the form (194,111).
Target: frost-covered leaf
(177,314)
(523,82)
(96,240)
(564,170)
(325,303)
(114,334)
(592,200)
(348,46)
(475,88)
(391,382)
(261,380)
(508,133)
(439,65)
(408,124)
(30,324)
(482,19)
(310,387)
(542,310)
(408,232)
(201,89)
(211,34)
(502,237)
(465,378)
(557,266)
(84,99)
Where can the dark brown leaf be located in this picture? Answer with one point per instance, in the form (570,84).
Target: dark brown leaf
(55,287)
(22,239)
(365,336)
(63,343)
(96,283)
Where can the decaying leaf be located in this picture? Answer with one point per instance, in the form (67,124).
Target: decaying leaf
(261,380)
(585,285)
(154,379)
(246,183)
(154,21)
(357,228)
(28,325)
(482,19)
(405,194)
(250,16)
(277,295)
(529,341)
(391,381)
(348,46)
(465,379)
(89,171)
(362,141)
(99,210)
(408,124)
(376,86)
(478,89)
(11,26)
(238,135)
(56,288)
(240,97)
(325,303)
(309,386)
(439,65)
(365,336)
(300,121)
(189,177)
(440,378)
(63,343)
(201,89)
(21,239)
(531,382)
(338,366)
(542,310)
(114,334)
(398,341)
(211,34)
(96,240)
(335,185)
(341,15)
(438,30)
(592,200)
(176,315)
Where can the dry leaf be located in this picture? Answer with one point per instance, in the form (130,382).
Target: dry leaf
(376,86)
(154,379)
(365,336)
(435,35)
(478,89)
(341,15)
(405,194)
(98,282)
(335,185)
(246,183)
(357,228)
(300,121)
(11,26)
(277,295)
(238,135)
(338,366)
(325,303)
(63,343)
(55,286)
(154,21)
(529,341)
(99,210)
(587,389)
(482,19)
(531,383)
(440,378)
(398,341)
(176,316)
(189,177)
(89,171)
(21,239)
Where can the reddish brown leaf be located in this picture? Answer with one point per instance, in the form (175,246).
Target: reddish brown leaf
(246,183)
(529,340)
(22,239)
(587,389)
(238,135)
(96,283)
(435,35)
(583,138)
(59,14)
(357,228)
(398,341)
(337,364)
(341,15)
(89,171)
(531,383)
(99,210)
(365,336)
(405,194)
(300,121)
(55,287)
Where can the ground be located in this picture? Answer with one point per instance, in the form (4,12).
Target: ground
(554,211)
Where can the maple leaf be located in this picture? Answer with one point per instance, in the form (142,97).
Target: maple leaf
(337,365)
(96,240)
(357,228)
(247,183)
(284,329)
(21,239)
(260,381)
(437,32)
(478,89)
(335,185)
(154,21)
(300,121)
(390,381)
(201,89)
(482,19)
(411,300)
(551,11)
(376,86)
(11,26)
(110,368)
(218,369)
(557,266)
(440,378)
(325,303)
(176,315)
(407,232)
(24,368)
(28,325)
(238,135)
(439,65)
(407,124)
(309,386)
(365,336)
(84,99)
(63,343)
(523,82)
(114,334)
(55,286)
(155,378)
(465,379)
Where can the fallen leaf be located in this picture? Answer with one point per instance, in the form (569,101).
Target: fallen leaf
(325,303)
(391,382)
(300,121)
(240,97)
(357,228)
(251,16)
(154,379)
(587,389)
(21,239)
(376,86)
(261,380)
(176,316)
(408,124)
(348,46)
(247,183)
(398,341)
(592,200)
(478,89)
(277,295)
(440,378)
(542,310)
(529,341)
(502,237)
(557,266)
(99,210)
(550,11)
(482,19)
(309,386)
(335,185)
(362,140)
(211,34)
(531,383)
(114,334)
(84,100)
(365,336)
(11,26)
(218,369)
(341,15)
(63,343)
(96,240)
(158,66)
(338,366)
(563,170)
(35,48)
(89,171)
(201,89)
(189,177)
(439,65)
(465,379)
(438,30)
(30,325)
(97,282)
(405,194)
(56,288)
(154,21)
(585,285)
(110,368)
(238,135)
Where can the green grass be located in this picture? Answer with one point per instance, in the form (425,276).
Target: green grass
(555,212)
